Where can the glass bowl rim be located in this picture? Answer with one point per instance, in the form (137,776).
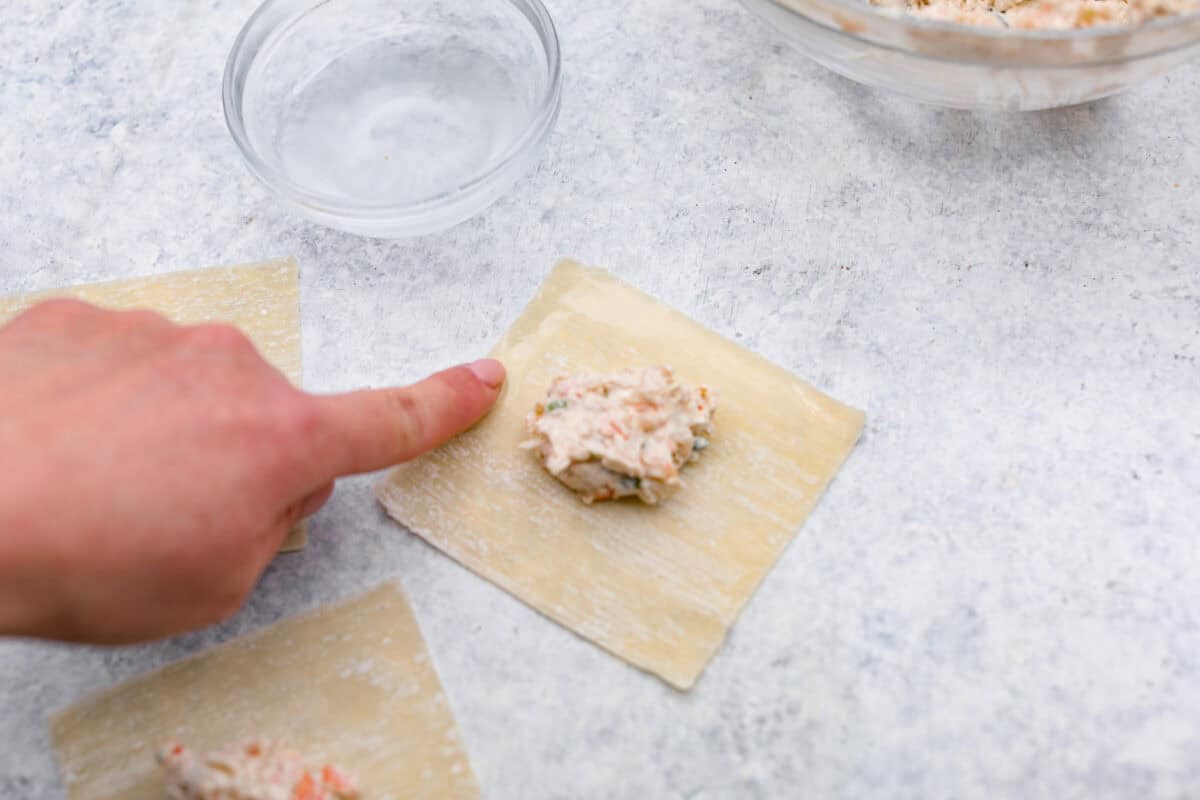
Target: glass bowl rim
(987,34)
(239,63)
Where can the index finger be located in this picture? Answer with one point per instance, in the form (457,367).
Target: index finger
(376,428)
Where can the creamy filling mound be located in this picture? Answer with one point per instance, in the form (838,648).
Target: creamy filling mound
(626,434)
(252,770)
(1043,14)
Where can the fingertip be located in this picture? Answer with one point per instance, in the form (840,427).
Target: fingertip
(488,371)
(459,397)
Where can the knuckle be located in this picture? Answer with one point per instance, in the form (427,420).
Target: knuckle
(217,336)
(407,416)
(65,305)
(59,308)
(293,430)
(302,416)
(300,426)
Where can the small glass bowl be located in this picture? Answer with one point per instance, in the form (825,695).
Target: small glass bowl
(961,66)
(392,119)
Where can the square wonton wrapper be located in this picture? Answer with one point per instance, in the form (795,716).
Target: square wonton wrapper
(350,684)
(658,586)
(263,300)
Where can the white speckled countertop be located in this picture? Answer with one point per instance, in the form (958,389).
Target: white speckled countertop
(1000,594)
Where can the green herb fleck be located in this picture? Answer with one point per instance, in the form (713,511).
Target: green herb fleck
(555,405)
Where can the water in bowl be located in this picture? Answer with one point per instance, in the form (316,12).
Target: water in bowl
(397,119)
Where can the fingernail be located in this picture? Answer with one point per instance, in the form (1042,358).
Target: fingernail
(489,371)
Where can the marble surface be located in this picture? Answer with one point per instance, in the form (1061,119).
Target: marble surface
(1000,594)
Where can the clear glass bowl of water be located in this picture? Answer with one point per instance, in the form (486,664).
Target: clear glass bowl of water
(392,118)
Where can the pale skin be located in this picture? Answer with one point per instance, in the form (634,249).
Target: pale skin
(151,471)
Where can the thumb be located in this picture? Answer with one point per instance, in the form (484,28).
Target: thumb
(376,428)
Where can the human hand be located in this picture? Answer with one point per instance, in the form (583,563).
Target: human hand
(151,471)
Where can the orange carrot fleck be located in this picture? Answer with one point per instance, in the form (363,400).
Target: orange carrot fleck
(306,789)
(334,779)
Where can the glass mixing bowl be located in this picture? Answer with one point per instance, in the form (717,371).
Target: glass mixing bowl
(388,118)
(980,68)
